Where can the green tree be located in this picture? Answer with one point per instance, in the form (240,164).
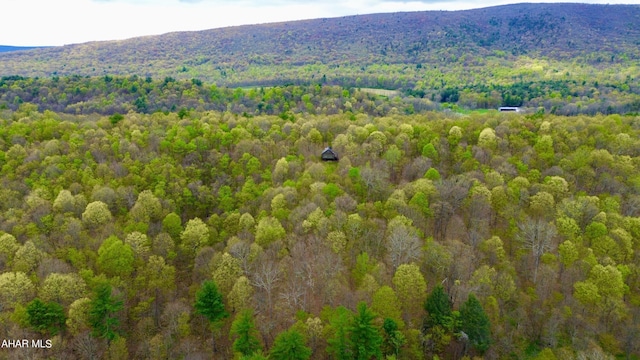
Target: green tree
(432,174)
(603,291)
(140,245)
(568,252)
(269,230)
(393,338)
(62,288)
(27,257)
(103,313)
(411,288)
(487,138)
(365,337)
(8,245)
(290,345)
(339,343)
(243,329)
(156,279)
(226,271)
(17,288)
(172,225)
(438,308)
(364,265)
(241,294)
(64,202)
(474,322)
(430,151)
(385,303)
(280,171)
(337,240)
(95,214)
(194,236)
(115,258)
(226,202)
(544,149)
(209,303)
(78,319)
(117,349)
(46,318)
(440,322)
(147,208)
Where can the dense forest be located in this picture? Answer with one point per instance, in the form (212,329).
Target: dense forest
(200,234)
(108,95)
(165,198)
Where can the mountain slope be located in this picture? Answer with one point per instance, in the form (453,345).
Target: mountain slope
(276,52)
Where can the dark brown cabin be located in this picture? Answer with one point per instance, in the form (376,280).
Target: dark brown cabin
(329,155)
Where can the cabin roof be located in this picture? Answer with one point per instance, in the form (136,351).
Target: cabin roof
(329,155)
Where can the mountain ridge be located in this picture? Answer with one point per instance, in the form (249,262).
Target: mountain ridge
(229,55)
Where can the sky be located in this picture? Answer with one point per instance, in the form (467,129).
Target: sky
(62,22)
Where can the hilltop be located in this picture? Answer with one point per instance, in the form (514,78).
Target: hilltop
(343,50)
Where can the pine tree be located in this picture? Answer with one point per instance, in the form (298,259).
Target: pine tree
(102,312)
(290,345)
(393,338)
(365,337)
(209,303)
(438,308)
(244,329)
(475,323)
(339,344)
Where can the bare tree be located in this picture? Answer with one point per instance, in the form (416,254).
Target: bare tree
(86,346)
(293,293)
(310,276)
(403,244)
(376,180)
(451,194)
(241,250)
(265,276)
(537,236)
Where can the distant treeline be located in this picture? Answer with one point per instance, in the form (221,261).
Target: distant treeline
(108,95)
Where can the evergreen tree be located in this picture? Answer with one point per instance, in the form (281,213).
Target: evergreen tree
(102,313)
(365,338)
(244,329)
(438,309)
(339,344)
(46,317)
(290,345)
(393,338)
(475,323)
(209,304)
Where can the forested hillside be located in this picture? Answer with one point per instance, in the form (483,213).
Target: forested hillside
(208,234)
(164,197)
(577,54)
